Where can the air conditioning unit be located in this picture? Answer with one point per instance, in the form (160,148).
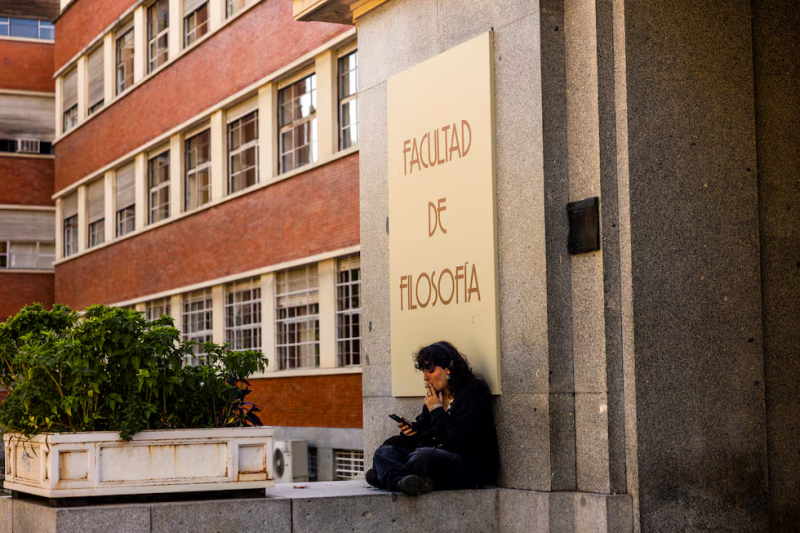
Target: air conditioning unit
(28,146)
(290,461)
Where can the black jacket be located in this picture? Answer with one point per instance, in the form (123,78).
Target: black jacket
(466,429)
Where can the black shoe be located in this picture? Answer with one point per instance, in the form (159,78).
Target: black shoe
(372,478)
(415,485)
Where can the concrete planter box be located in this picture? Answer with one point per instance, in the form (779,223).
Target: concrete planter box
(66,465)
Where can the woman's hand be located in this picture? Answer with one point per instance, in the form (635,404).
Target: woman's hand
(432,397)
(406,430)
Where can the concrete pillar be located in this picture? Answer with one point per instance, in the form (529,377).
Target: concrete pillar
(219,157)
(175,38)
(326,69)
(82,219)
(268,319)
(216,14)
(176,175)
(59,229)
(109,70)
(176,306)
(141,190)
(59,103)
(83,86)
(139,44)
(110,205)
(268,132)
(218,314)
(327,313)
(326,466)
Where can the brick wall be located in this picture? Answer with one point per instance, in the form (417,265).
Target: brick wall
(26,181)
(20,289)
(82,22)
(26,66)
(307,214)
(312,401)
(263,40)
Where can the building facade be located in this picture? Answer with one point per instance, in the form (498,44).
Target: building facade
(207,169)
(27,131)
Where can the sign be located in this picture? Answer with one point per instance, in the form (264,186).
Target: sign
(443,234)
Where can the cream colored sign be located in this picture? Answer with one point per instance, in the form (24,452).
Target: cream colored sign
(442,234)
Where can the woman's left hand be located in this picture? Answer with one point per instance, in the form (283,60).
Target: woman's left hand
(432,397)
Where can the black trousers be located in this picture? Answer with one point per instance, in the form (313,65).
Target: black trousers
(449,471)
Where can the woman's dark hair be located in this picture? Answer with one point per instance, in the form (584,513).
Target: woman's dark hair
(446,355)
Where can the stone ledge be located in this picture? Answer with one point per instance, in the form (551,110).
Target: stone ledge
(339,506)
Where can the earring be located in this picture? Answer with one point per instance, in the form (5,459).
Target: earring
(448,377)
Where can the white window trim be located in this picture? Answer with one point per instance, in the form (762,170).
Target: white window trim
(241,149)
(232,307)
(282,362)
(37,256)
(154,40)
(351,311)
(195,172)
(121,65)
(151,190)
(345,100)
(204,335)
(283,128)
(184,20)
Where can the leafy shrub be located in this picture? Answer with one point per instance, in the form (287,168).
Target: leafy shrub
(114,371)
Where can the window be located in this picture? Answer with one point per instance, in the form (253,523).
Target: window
(197,320)
(313,464)
(297,317)
(157,34)
(348,100)
(26,146)
(195,20)
(158,308)
(158,187)
(27,28)
(243,315)
(70,105)
(236,6)
(349,464)
(298,123)
(126,199)
(70,225)
(348,311)
(197,181)
(96,212)
(124,57)
(96,80)
(34,255)
(243,152)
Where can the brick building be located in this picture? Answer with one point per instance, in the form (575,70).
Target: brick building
(207,168)
(27,96)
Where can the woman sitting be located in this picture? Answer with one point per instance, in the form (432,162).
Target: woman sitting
(453,443)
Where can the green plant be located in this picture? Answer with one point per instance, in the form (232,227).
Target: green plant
(114,371)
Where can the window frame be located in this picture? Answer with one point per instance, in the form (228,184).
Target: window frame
(206,334)
(349,357)
(190,37)
(239,123)
(346,464)
(163,304)
(294,124)
(237,310)
(126,216)
(121,64)
(195,172)
(156,188)
(96,233)
(7,256)
(161,56)
(70,225)
(309,321)
(345,100)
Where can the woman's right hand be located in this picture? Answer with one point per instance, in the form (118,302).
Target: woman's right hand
(406,430)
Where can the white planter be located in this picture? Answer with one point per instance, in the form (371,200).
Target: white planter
(66,465)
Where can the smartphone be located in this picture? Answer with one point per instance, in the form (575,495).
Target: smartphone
(400,419)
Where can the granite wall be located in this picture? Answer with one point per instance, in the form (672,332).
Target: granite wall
(665,366)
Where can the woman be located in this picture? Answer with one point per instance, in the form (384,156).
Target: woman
(453,443)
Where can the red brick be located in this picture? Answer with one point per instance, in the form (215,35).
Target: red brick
(26,181)
(311,401)
(308,214)
(260,42)
(20,289)
(26,66)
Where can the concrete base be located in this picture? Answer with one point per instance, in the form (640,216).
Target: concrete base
(339,506)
